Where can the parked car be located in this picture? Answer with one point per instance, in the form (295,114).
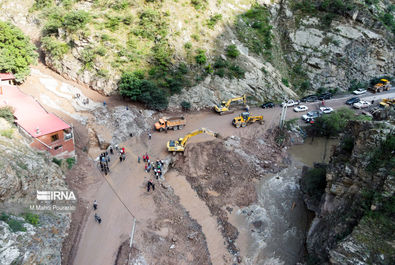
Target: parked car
(311,115)
(290,103)
(310,98)
(326,95)
(359,91)
(361,104)
(301,108)
(326,110)
(268,105)
(353,100)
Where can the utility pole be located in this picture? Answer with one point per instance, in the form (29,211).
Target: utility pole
(283,114)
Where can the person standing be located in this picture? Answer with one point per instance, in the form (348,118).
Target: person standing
(150,184)
(95,205)
(149,136)
(111,150)
(138,159)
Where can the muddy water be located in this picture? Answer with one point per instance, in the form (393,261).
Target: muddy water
(313,150)
(272,231)
(199,211)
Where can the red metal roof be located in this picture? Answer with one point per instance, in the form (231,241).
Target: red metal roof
(29,114)
(6,76)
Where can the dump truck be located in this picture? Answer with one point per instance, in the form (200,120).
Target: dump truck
(173,123)
(223,108)
(245,118)
(382,85)
(180,144)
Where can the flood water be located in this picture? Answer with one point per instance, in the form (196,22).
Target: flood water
(317,149)
(272,231)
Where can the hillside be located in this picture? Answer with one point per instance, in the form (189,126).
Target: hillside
(28,237)
(354,216)
(202,51)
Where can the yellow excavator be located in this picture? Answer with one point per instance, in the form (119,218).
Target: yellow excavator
(382,85)
(223,108)
(245,118)
(179,145)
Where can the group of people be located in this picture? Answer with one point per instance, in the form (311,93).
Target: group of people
(104,159)
(85,101)
(156,168)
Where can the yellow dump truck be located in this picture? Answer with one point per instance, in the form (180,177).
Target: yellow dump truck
(174,123)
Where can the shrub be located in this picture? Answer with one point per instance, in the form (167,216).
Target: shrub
(355,84)
(201,56)
(212,21)
(314,182)
(220,63)
(151,24)
(232,51)
(236,71)
(40,4)
(70,162)
(87,57)
(134,86)
(254,27)
(55,19)
(334,123)
(7,133)
(185,105)
(120,4)
(198,4)
(16,51)
(15,225)
(188,45)
(112,23)
(383,155)
(31,218)
(195,37)
(57,161)
(7,113)
(56,49)
(285,82)
(75,20)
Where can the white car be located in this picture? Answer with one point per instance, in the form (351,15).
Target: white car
(290,103)
(359,91)
(326,110)
(301,108)
(361,105)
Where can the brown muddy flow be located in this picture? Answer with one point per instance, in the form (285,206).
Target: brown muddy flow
(273,230)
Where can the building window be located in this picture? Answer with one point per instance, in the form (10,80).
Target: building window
(57,147)
(67,134)
(54,137)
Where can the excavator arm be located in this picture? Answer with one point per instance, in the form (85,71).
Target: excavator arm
(174,146)
(224,106)
(196,132)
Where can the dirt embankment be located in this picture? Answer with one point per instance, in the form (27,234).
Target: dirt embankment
(172,238)
(224,173)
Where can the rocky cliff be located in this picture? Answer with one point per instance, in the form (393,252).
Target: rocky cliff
(28,237)
(354,221)
(283,48)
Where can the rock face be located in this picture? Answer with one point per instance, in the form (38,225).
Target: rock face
(23,172)
(354,222)
(125,121)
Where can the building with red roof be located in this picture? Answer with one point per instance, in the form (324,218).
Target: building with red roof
(45,130)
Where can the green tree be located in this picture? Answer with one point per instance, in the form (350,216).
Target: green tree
(134,86)
(16,51)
